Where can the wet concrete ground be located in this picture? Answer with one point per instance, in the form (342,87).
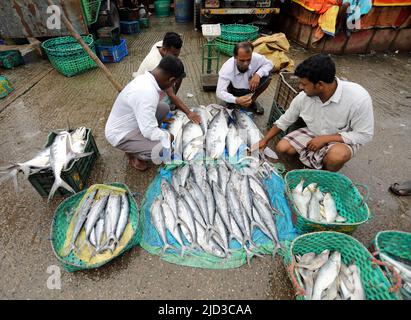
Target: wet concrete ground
(45,100)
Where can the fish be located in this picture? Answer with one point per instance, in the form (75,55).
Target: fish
(112,216)
(401,268)
(124,214)
(193,206)
(314,205)
(209,246)
(308,280)
(184,173)
(177,146)
(302,200)
(61,154)
(235,209)
(246,196)
(191,131)
(205,116)
(99,231)
(169,195)
(199,172)
(194,149)
(223,177)
(260,224)
(359,293)
(200,198)
(233,140)
(223,232)
(157,218)
(258,188)
(94,215)
(306,258)
(211,206)
(216,136)
(81,218)
(176,126)
(330,208)
(171,225)
(175,181)
(327,275)
(212,174)
(222,207)
(250,133)
(185,218)
(316,262)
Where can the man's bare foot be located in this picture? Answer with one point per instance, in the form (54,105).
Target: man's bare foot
(137,163)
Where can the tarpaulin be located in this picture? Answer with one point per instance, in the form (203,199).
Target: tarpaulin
(274,48)
(386,3)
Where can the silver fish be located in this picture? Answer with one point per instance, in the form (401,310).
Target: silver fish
(199,172)
(233,140)
(158,221)
(200,198)
(184,173)
(317,262)
(216,136)
(223,176)
(99,230)
(185,217)
(124,214)
(171,225)
(359,293)
(212,174)
(327,275)
(330,208)
(209,246)
(250,133)
(94,215)
(61,153)
(308,280)
(194,149)
(314,205)
(193,206)
(235,209)
(112,216)
(302,200)
(205,116)
(169,195)
(222,207)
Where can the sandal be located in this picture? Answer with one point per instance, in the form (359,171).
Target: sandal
(403,189)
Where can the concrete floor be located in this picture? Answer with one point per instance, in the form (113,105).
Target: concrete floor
(45,100)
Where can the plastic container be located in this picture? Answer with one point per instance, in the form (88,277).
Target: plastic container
(109,53)
(348,200)
(129,27)
(67,56)
(275,113)
(10,59)
(287,89)
(376,285)
(224,46)
(239,32)
(144,23)
(91,10)
(127,14)
(162,8)
(61,223)
(75,175)
(109,36)
(183,10)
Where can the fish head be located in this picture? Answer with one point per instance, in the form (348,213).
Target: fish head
(312,187)
(336,256)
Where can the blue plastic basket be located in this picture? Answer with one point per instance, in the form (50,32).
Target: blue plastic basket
(110,53)
(129,27)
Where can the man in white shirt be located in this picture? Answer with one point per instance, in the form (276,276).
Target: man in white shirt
(171,45)
(338,114)
(133,124)
(244,77)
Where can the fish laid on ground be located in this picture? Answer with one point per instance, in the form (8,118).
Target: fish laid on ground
(158,221)
(216,136)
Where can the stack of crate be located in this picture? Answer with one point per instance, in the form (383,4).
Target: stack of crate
(110,47)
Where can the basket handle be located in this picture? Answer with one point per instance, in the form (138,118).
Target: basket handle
(299,291)
(397,277)
(367,192)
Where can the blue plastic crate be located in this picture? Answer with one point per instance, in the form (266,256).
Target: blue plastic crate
(129,27)
(110,53)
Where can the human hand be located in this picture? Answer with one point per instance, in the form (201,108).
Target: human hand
(244,101)
(316,143)
(168,120)
(254,82)
(194,117)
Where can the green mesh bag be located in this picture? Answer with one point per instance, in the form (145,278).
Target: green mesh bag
(376,285)
(349,202)
(67,56)
(61,222)
(393,242)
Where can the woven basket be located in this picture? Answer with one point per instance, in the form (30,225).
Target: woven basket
(225,47)
(393,242)
(61,222)
(91,10)
(238,32)
(68,56)
(376,285)
(349,202)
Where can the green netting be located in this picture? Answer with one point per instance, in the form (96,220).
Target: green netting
(349,202)
(91,10)
(61,222)
(239,32)
(153,244)
(397,243)
(68,56)
(376,285)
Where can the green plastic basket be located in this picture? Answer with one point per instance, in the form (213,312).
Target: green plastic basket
(376,285)
(91,10)
(349,202)
(393,242)
(68,56)
(10,59)
(225,47)
(61,222)
(239,32)
(275,114)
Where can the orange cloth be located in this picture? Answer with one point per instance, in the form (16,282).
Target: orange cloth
(392,3)
(318,6)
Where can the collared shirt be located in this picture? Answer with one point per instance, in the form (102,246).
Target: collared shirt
(135,107)
(349,112)
(151,61)
(230,73)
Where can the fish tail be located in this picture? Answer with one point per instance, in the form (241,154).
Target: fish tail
(10,173)
(277,247)
(58,182)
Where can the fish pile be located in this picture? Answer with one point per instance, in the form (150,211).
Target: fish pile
(66,146)
(403,268)
(211,203)
(103,215)
(326,277)
(221,133)
(315,205)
